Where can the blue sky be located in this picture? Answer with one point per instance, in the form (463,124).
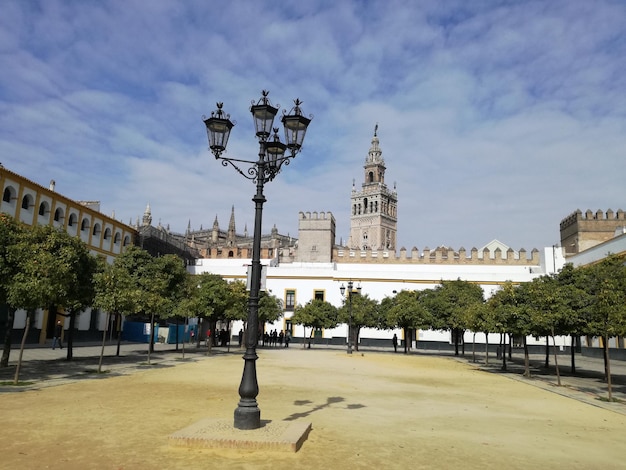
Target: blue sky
(496,119)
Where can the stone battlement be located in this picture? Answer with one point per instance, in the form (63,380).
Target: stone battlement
(438,256)
(598,215)
(581,231)
(315,215)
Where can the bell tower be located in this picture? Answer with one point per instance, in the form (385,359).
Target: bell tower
(373,219)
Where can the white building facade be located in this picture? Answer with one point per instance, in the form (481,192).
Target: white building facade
(298,283)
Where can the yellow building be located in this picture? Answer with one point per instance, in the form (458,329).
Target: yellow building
(34,204)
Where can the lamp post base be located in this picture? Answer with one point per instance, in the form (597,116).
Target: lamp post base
(247,417)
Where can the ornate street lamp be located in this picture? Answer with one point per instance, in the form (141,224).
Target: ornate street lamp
(273,154)
(342,289)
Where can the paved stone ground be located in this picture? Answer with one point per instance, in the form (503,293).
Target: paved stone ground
(374,409)
(44,367)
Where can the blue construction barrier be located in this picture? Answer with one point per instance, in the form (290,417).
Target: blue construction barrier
(183,336)
(138,332)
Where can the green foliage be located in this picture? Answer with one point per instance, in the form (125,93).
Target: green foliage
(137,283)
(406,311)
(214,296)
(449,301)
(270,308)
(606,285)
(316,314)
(55,269)
(116,291)
(365,311)
(10,233)
(508,314)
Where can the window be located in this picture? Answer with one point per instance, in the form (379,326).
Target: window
(107,234)
(290,299)
(117,238)
(27,202)
(318,295)
(73,220)
(84,226)
(7,195)
(96,230)
(58,215)
(42,208)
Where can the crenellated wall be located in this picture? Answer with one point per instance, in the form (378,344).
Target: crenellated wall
(236,252)
(581,231)
(316,237)
(439,256)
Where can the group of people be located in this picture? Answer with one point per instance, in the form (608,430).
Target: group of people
(274,338)
(219,339)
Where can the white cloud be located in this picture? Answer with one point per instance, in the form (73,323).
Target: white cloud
(496,120)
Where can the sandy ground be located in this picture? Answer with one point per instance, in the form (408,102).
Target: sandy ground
(376,410)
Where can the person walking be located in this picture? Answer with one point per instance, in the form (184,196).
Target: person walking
(58,331)
(394,340)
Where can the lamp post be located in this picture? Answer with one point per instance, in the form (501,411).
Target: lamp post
(272,156)
(342,289)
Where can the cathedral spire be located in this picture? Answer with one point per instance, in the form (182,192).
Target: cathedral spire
(147,216)
(231,225)
(373,220)
(215,231)
(375,155)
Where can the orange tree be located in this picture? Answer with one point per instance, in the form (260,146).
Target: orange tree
(10,233)
(316,314)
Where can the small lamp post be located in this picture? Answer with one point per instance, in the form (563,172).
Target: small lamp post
(342,289)
(273,154)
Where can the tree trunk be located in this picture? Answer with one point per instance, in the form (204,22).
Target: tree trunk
(228,336)
(462,340)
(510,346)
(186,330)
(503,346)
(547,362)
(486,348)
(151,341)
(573,353)
(526,359)
(199,332)
(19,359)
(355,337)
(70,336)
(556,361)
(104,338)
(605,348)
(118,324)
(177,333)
(6,351)
(406,340)
(474,347)
(607,367)
(455,336)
